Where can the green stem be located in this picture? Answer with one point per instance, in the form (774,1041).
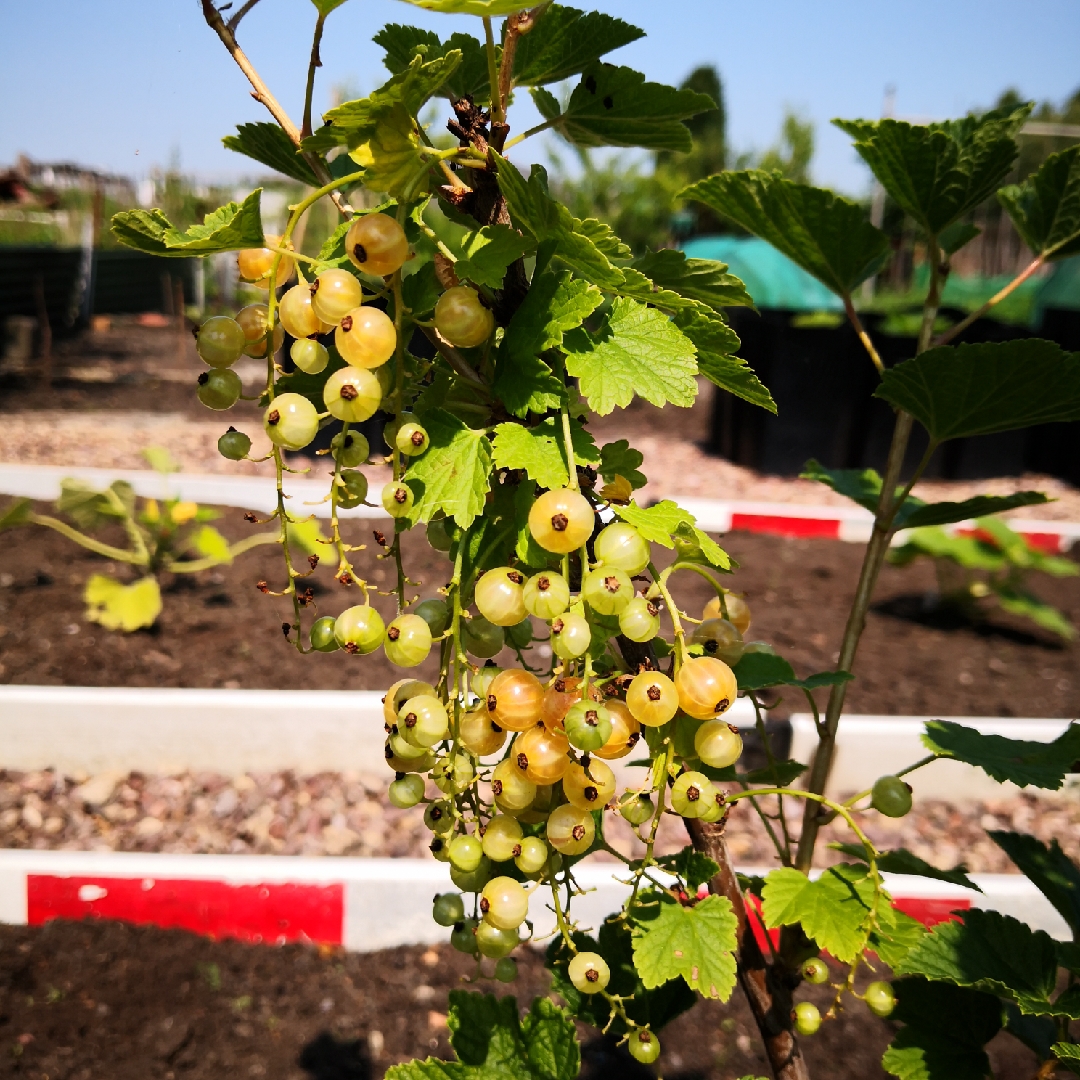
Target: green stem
(568,443)
(193,566)
(902,772)
(1019,280)
(873,559)
(88,542)
(673,611)
(864,337)
(532,131)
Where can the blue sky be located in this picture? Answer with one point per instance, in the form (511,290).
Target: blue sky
(126,84)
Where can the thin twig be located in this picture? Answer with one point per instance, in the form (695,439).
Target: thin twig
(315,62)
(864,337)
(454,358)
(1016,282)
(234,22)
(262,94)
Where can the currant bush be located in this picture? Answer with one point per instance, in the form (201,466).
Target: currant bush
(487,327)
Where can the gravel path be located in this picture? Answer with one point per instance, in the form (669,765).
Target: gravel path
(348,814)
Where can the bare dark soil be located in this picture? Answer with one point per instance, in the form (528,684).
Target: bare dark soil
(111,1001)
(218,630)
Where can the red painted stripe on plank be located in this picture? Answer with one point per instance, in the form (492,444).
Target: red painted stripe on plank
(270,912)
(797,527)
(929,911)
(1047,543)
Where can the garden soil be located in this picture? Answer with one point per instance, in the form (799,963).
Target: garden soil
(110,1001)
(218,630)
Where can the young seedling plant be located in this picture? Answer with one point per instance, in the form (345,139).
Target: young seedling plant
(489,323)
(170,536)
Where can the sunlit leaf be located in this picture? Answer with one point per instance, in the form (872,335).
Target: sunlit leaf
(117,606)
(828,236)
(229,228)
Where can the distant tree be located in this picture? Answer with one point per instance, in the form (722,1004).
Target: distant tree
(791,155)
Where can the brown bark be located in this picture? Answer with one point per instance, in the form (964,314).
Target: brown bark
(768,994)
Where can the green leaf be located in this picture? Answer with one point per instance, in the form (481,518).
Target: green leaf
(603,236)
(489,8)
(697,943)
(953,237)
(565,41)
(270,146)
(833,910)
(492,1043)
(782,774)
(860,485)
(17,513)
(694,545)
(555,304)
(639,351)
(863,486)
(453,474)
(421,290)
(117,606)
(1046,207)
(1020,602)
(758,670)
(619,459)
(938,172)
(324,7)
(958,391)
(353,123)
(487,252)
(89,509)
(690,866)
(704,280)
(944,513)
(902,861)
(403,43)
(229,228)
(1041,765)
(541,451)
(210,544)
(656,523)
(713,340)
(533,209)
(160,460)
(1054,874)
(391,156)
(662,522)
(945,1030)
(615,106)
(1069,1055)
(992,952)
(897,934)
(828,236)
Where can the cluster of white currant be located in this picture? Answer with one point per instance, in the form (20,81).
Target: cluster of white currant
(364,335)
(520,763)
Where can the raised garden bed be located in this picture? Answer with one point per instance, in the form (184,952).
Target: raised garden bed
(218,630)
(92,999)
